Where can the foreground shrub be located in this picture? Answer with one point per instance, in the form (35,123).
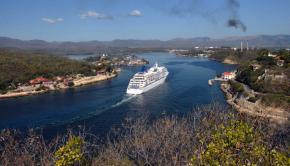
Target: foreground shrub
(237,143)
(17,149)
(31,149)
(212,135)
(208,136)
(71,153)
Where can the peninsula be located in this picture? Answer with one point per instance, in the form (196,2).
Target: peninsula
(261,86)
(26,73)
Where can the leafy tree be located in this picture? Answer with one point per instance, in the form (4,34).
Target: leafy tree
(71,153)
(109,68)
(263,52)
(236,87)
(17,67)
(266,60)
(237,143)
(285,55)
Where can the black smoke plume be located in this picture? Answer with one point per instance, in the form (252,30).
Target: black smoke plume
(237,24)
(234,20)
(195,7)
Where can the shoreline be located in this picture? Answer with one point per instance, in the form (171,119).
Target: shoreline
(77,83)
(225,61)
(277,115)
(92,79)
(22,94)
(229,61)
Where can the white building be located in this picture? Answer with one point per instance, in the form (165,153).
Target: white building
(229,75)
(272,55)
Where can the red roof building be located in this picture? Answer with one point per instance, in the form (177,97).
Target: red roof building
(38,80)
(229,75)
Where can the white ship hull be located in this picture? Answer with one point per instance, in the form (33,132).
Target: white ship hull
(146,80)
(146,88)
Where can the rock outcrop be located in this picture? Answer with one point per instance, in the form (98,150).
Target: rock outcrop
(275,114)
(230,61)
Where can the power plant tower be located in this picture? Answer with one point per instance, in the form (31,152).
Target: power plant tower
(241,46)
(247,46)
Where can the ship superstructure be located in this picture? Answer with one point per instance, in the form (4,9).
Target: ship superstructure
(146,80)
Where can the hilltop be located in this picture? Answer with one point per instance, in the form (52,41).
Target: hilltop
(91,46)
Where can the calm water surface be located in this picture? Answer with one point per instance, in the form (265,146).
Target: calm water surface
(104,105)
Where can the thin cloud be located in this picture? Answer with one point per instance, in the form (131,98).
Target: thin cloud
(93,14)
(135,13)
(51,20)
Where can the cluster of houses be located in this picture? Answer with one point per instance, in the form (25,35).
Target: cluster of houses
(56,82)
(136,62)
(279,61)
(203,52)
(129,60)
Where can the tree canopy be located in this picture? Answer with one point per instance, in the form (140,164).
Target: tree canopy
(17,67)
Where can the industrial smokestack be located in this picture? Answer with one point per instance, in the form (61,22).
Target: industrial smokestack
(247,46)
(241,46)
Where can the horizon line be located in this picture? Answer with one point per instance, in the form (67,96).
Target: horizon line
(59,41)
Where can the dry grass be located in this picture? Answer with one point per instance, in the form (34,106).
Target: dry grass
(170,140)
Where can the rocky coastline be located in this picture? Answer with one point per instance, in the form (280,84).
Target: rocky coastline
(229,61)
(241,104)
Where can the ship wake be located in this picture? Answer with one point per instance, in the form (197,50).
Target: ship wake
(125,99)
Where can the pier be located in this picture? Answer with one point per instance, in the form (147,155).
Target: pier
(211,81)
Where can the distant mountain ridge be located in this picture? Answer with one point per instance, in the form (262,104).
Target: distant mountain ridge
(254,41)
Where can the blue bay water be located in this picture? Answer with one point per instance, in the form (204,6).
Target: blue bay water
(104,105)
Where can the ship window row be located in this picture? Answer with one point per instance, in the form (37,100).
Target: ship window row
(155,77)
(138,81)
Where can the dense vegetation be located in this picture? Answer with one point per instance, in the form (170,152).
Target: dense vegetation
(236,56)
(251,78)
(285,55)
(208,136)
(18,67)
(236,87)
(269,79)
(247,75)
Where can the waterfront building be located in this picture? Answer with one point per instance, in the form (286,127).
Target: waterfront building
(229,75)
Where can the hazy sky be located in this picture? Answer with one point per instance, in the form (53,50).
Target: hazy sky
(81,20)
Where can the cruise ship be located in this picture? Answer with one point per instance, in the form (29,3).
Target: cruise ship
(146,80)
